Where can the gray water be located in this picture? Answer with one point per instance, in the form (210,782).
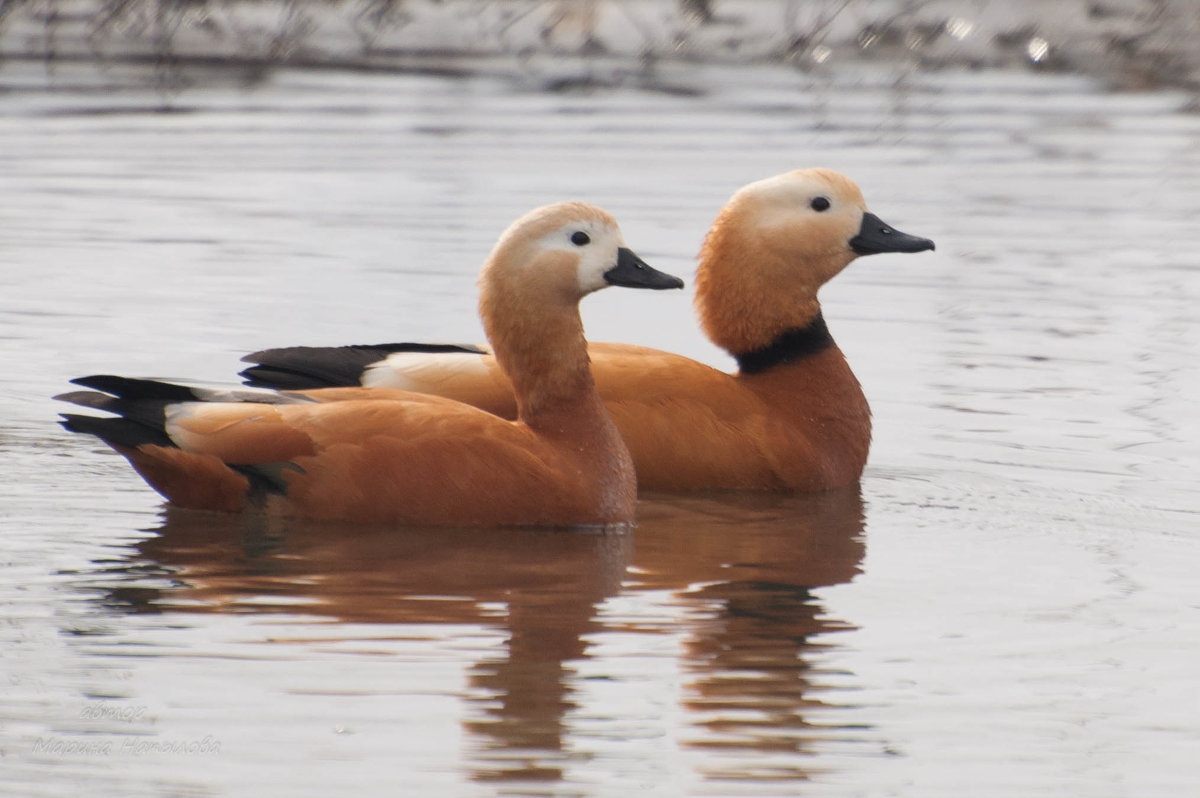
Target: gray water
(1005,606)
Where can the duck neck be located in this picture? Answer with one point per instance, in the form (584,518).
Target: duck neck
(751,298)
(793,344)
(546,359)
(805,380)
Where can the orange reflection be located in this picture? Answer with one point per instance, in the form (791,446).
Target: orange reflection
(745,565)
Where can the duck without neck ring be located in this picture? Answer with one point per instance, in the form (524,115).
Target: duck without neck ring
(793,417)
(414,458)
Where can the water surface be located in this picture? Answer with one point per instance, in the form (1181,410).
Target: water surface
(1004,606)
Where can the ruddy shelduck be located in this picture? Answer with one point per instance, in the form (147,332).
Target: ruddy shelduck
(793,417)
(412,458)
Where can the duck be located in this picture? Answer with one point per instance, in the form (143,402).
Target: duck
(413,458)
(792,418)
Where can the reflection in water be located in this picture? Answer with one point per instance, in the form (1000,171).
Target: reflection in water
(743,566)
(752,682)
(754,565)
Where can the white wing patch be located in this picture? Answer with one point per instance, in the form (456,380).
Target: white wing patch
(423,372)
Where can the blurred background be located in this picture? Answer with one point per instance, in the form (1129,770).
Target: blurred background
(1130,44)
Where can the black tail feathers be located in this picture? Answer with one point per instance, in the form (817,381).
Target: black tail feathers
(140,407)
(139,404)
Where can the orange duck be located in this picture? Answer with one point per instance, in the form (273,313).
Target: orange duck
(412,458)
(793,418)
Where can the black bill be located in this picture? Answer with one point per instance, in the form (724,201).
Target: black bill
(876,236)
(633,272)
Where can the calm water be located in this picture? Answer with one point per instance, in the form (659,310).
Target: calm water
(1005,606)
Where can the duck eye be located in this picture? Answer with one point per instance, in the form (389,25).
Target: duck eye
(579,238)
(820,204)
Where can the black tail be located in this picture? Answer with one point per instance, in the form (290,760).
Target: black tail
(140,407)
(139,404)
(297,368)
(115,431)
(130,388)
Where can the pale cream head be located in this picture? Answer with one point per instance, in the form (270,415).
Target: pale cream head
(772,246)
(557,253)
(807,216)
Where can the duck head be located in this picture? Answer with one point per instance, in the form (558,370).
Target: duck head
(772,247)
(560,253)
